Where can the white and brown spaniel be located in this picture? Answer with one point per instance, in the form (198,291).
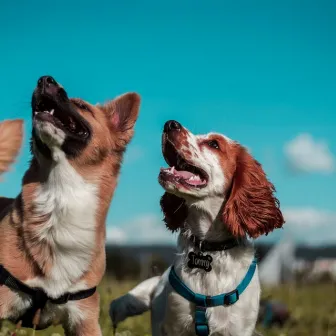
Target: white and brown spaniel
(217,196)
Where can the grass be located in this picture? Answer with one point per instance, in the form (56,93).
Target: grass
(313,308)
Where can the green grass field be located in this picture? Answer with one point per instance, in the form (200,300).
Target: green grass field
(312,307)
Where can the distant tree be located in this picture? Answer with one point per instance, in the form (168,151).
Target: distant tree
(122,267)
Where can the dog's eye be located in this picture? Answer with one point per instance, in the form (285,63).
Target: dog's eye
(83,107)
(213,144)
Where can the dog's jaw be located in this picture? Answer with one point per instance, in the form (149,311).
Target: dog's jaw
(50,136)
(57,124)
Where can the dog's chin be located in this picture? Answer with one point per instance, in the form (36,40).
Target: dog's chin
(46,138)
(49,134)
(58,128)
(180,188)
(49,141)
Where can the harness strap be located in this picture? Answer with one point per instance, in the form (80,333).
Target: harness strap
(9,281)
(74,296)
(202,301)
(39,297)
(201,321)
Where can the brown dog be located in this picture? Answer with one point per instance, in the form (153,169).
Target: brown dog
(52,236)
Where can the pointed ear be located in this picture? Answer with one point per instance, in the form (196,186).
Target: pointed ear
(175,211)
(252,207)
(122,113)
(11,136)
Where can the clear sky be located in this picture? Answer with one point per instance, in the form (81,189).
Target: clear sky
(261,72)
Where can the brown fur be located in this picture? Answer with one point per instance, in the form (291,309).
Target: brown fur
(252,207)
(89,326)
(27,257)
(11,134)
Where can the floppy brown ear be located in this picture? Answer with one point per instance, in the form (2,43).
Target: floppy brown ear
(122,113)
(252,207)
(175,211)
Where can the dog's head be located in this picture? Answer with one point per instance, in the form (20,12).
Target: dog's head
(86,134)
(212,165)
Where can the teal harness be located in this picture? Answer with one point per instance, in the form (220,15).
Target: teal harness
(203,302)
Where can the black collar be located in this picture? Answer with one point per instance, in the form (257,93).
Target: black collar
(30,318)
(205,245)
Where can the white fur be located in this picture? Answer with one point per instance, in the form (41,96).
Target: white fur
(71,203)
(136,303)
(51,135)
(205,158)
(172,315)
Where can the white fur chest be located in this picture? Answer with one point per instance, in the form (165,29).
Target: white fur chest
(228,271)
(71,204)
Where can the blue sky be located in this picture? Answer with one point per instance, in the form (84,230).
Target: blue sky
(262,72)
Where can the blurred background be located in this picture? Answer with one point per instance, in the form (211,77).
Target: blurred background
(261,72)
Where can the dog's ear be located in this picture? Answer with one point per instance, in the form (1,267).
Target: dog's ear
(11,136)
(251,207)
(122,112)
(175,211)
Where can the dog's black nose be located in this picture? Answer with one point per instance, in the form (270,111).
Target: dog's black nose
(47,84)
(171,125)
(46,81)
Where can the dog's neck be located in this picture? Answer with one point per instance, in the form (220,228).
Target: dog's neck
(60,223)
(204,220)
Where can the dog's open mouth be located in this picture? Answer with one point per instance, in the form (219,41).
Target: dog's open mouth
(62,117)
(181,171)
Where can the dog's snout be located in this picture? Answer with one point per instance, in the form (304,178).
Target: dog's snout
(47,84)
(46,81)
(172,125)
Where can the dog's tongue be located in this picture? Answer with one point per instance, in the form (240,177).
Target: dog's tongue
(192,179)
(184,174)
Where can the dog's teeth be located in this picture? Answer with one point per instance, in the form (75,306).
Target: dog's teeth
(35,113)
(171,170)
(52,111)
